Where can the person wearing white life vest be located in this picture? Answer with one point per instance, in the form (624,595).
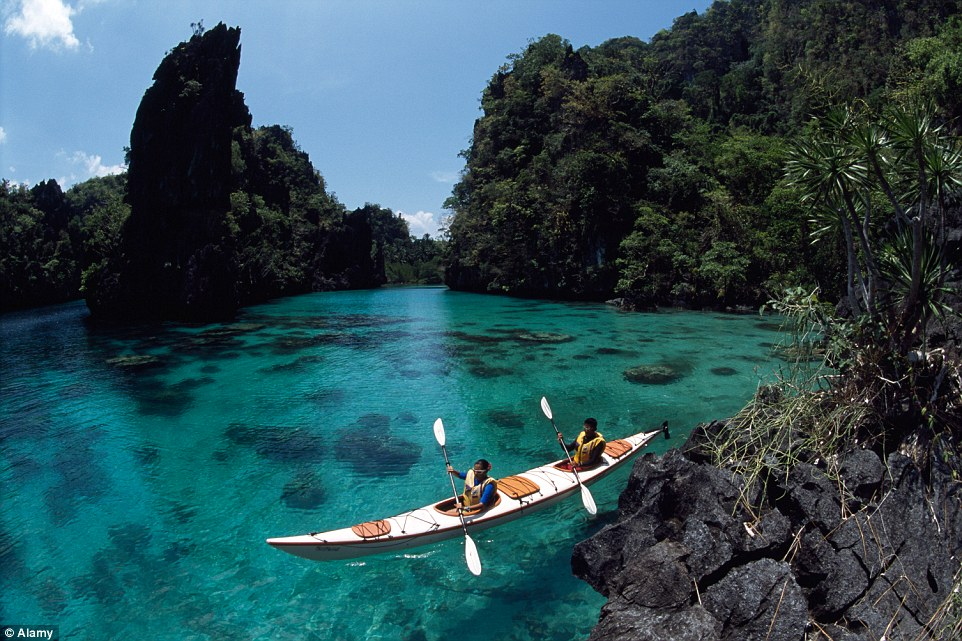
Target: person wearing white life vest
(480,492)
(586,450)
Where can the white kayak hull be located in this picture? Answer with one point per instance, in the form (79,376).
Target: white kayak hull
(518,495)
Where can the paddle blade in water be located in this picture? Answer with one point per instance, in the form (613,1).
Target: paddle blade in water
(546,408)
(471,556)
(589,501)
(439,432)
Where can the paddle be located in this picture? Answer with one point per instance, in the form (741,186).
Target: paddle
(586,497)
(470,550)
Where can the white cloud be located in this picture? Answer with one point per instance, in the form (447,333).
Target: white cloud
(45,23)
(3,136)
(448,177)
(83,166)
(423,222)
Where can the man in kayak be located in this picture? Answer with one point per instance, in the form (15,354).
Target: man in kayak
(480,492)
(586,450)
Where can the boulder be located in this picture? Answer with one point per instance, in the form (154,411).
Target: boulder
(862,555)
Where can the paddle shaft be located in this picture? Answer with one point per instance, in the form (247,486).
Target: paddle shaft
(586,497)
(454,488)
(565,448)
(470,549)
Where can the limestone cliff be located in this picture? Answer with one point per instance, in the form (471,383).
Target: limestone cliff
(210,228)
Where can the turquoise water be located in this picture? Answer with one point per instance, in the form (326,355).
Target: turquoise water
(142,469)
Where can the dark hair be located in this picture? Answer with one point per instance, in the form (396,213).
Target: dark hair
(592,422)
(483,463)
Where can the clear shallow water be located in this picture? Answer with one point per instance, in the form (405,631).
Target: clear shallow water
(137,492)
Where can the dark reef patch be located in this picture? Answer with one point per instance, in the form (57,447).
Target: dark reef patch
(614,351)
(281,444)
(481,369)
(154,398)
(657,373)
(182,513)
(303,492)
(300,364)
(505,419)
(724,371)
(326,396)
(136,363)
(371,449)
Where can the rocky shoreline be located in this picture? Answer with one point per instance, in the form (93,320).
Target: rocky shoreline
(872,554)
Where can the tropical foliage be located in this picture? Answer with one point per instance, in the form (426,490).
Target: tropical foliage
(647,171)
(406,259)
(48,237)
(652,171)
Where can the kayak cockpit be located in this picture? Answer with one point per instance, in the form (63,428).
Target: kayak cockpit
(447,507)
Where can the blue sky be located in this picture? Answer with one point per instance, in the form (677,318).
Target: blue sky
(382,94)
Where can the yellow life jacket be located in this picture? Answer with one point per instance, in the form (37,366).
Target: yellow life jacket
(472,492)
(584,451)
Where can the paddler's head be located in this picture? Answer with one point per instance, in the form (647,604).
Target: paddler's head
(481,468)
(590,427)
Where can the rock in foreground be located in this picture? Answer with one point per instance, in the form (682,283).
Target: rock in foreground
(687,559)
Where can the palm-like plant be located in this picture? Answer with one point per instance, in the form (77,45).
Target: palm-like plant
(885,183)
(830,175)
(843,167)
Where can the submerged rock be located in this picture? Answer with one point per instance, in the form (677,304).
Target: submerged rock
(652,374)
(136,362)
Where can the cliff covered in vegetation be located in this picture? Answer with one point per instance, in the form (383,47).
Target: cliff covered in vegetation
(649,171)
(653,171)
(220,215)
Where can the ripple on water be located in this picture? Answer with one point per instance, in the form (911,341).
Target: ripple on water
(81,479)
(166,568)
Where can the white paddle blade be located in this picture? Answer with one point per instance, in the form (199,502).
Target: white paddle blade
(471,556)
(588,500)
(546,408)
(439,432)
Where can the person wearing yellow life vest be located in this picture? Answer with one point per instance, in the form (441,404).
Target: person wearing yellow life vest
(586,450)
(480,492)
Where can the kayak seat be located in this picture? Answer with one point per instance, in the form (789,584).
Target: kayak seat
(371,529)
(517,487)
(447,506)
(617,449)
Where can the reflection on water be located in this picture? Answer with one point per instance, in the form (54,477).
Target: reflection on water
(142,468)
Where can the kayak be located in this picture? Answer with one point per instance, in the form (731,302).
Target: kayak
(517,496)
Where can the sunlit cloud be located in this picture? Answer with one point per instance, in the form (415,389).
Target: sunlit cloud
(3,136)
(420,223)
(447,177)
(44,23)
(83,166)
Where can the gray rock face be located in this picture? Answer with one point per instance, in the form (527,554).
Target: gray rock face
(866,555)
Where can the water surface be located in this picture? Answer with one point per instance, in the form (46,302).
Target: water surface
(142,469)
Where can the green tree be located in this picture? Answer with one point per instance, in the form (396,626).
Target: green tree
(885,181)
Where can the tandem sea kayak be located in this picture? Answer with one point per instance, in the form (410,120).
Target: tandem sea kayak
(518,496)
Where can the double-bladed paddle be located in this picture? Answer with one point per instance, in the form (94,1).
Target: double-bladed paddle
(586,497)
(470,549)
